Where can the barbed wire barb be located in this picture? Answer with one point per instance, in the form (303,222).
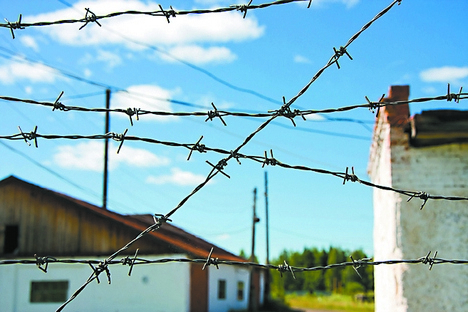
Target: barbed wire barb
(58,105)
(284,268)
(422,195)
(428,260)
(219,167)
(339,53)
(42,263)
(130,262)
(90,17)
(269,161)
(167,14)
(453,96)
(356,266)
(374,105)
(213,114)
(211,261)
(29,136)
(120,138)
(198,147)
(14,25)
(350,177)
(243,8)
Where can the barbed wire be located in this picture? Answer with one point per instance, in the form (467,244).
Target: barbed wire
(202,148)
(284,111)
(211,114)
(90,17)
(43,263)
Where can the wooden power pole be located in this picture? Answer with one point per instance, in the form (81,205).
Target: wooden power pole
(106,150)
(266,294)
(253,302)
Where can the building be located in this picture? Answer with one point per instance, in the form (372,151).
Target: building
(34,220)
(427,152)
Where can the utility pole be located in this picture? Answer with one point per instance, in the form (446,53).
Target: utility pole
(266,294)
(253,304)
(106,150)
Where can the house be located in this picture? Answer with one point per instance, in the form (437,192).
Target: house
(427,152)
(35,220)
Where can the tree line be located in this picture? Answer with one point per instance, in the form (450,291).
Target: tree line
(337,280)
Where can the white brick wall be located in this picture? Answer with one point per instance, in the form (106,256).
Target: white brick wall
(402,231)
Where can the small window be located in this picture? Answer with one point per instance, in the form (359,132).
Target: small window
(10,243)
(221,289)
(49,291)
(240,291)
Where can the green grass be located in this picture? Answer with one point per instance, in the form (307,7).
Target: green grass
(333,302)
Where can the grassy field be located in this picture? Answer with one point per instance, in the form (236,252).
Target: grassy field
(332,302)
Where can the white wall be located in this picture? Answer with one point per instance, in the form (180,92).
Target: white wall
(232,274)
(403,231)
(387,206)
(154,287)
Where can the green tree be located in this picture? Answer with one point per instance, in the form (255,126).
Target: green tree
(333,277)
(336,280)
(314,279)
(365,277)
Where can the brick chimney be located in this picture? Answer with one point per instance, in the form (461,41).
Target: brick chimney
(397,115)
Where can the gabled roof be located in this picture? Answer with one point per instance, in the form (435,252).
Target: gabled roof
(191,244)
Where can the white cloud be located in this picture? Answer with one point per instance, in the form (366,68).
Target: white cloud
(314,117)
(347,3)
(213,2)
(15,70)
(198,55)
(224,236)
(29,42)
(87,72)
(147,97)
(110,58)
(90,156)
(28,89)
(177,177)
(444,74)
(301,59)
(430,90)
(182,30)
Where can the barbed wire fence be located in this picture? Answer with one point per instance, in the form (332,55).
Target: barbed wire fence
(100,266)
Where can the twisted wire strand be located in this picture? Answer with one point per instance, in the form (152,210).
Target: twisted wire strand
(91,17)
(201,148)
(223,113)
(42,261)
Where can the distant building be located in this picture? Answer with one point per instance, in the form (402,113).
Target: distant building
(34,220)
(427,152)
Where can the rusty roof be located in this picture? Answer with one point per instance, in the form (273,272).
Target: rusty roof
(191,244)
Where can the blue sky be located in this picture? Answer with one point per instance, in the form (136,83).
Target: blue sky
(274,52)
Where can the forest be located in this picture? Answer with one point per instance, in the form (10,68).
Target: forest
(343,280)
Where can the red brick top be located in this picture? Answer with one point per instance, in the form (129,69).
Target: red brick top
(397,115)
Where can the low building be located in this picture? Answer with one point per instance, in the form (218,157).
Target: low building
(427,152)
(42,222)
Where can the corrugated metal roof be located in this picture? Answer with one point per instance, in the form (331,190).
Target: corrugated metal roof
(191,244)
